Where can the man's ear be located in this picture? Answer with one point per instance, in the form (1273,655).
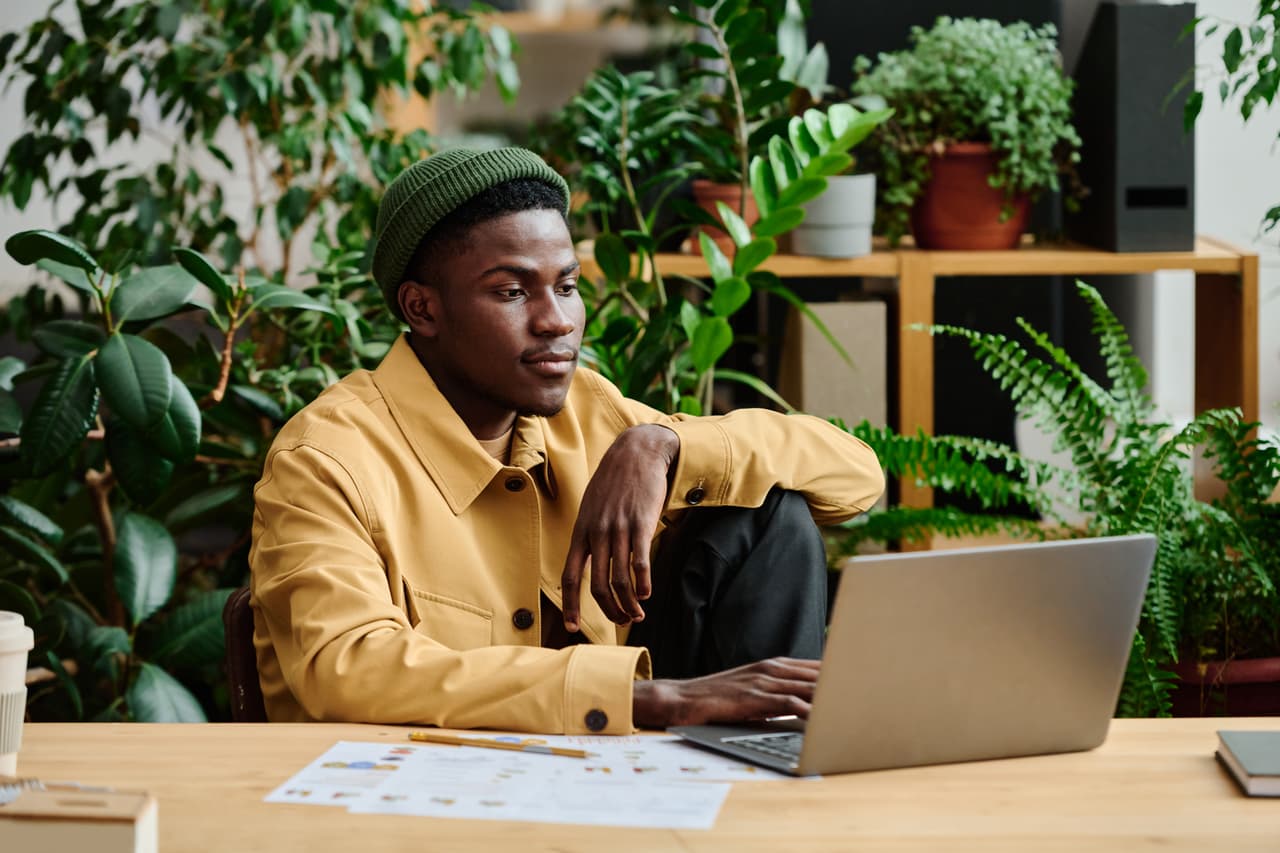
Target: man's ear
(420,305)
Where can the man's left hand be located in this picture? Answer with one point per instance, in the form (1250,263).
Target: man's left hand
(616,523)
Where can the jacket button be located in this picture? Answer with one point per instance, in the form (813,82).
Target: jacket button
(514,484)
(695,495)
(596,720)
(522,619)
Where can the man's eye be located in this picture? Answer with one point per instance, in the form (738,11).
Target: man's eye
(514,293)
(566,288)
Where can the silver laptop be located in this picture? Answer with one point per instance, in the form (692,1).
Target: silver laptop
(942,656)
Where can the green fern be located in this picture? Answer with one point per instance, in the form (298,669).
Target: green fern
(917,524)
(959,465)
(1214,583)
(1146,687)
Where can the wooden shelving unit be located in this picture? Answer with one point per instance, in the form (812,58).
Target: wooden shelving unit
(1226,321)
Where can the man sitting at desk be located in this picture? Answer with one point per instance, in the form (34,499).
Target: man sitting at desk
(423,531)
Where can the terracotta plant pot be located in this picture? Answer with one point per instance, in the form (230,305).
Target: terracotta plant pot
(1238,688)
(959,209)
(706,194)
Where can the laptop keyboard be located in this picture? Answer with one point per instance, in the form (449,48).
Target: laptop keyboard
(784,745)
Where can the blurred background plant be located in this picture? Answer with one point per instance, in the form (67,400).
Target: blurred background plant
(114,462)
(1249,74)
(122,532)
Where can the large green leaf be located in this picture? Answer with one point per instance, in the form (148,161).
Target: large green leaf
(68,683)
(23,547)
(146,565)
(612,257)
(27,517)
(734,224)
(205,272)
(10,413)
(260,400)
(60,416)
(177,436)
(103,647)
(753,255)
(780,221)
(135,379)
(730,295)
(68,338)
(193,635)
(716,260)
(157,697)
(152,292)
(28,247)
(763,186)
(800,191)
(141,471)
(72,275)
(276,296)
(711,339)
(202,503)
(17,600)
(10,366)
(757,384)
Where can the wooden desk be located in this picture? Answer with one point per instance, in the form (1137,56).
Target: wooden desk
(1154,784)
(1226,316)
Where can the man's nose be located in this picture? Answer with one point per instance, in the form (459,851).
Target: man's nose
(550,318)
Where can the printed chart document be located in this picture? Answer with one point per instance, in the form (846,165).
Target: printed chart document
(656,782)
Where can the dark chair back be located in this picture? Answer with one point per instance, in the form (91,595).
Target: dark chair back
(242,660)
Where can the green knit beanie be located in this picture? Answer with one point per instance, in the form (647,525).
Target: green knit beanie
(430,190)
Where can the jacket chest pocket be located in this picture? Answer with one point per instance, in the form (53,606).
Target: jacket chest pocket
(450,622)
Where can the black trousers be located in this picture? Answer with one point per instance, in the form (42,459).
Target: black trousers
(733,586)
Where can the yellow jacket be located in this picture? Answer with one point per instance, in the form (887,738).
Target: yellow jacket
(396,567)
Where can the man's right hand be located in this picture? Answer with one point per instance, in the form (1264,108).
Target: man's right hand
(771,688)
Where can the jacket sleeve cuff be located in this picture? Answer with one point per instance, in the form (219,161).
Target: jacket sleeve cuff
(597,688)
(705,466)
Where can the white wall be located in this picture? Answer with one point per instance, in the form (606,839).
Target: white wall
(1237,180)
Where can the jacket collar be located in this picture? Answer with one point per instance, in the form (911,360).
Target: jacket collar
(455,461)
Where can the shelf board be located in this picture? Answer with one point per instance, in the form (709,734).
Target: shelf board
(880,263)
(1209,256)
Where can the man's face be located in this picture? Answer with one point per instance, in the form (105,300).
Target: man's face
(499,322)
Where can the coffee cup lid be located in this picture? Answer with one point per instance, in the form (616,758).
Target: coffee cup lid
(14,635)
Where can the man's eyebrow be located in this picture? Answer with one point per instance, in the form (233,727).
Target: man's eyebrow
(516,269)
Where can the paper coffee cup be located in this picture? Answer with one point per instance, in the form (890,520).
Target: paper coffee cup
(16,640)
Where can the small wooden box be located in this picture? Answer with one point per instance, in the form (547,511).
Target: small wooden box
(79,822)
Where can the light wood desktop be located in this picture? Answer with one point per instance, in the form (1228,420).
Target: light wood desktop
(1153,784)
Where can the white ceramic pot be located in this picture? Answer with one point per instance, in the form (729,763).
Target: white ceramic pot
(837,224)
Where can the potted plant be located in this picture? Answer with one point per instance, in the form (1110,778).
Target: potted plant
(1212,606)
(981,125)
(837,224)
(747,64)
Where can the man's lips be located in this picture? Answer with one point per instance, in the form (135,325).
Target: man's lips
(551,362)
